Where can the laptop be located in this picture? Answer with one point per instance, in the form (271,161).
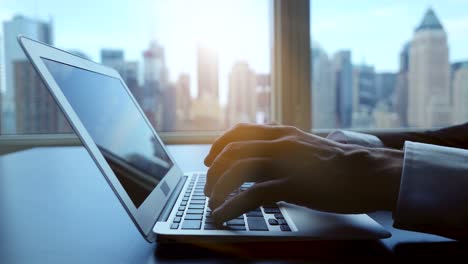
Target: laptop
(165,203)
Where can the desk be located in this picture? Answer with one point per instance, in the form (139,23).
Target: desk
(56,207)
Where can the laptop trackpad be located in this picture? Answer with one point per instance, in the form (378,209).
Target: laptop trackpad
(333,226)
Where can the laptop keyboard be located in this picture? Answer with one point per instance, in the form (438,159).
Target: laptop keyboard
(194,214)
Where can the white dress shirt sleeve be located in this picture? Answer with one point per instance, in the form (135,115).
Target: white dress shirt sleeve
(433,194)
(355,138)
(433,190)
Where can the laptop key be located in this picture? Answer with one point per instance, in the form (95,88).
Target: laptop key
(184,203)
(197,202)
(271,210)
(273,221)
(174,226)
(196,206)
(181,208)
(210,226)
(254,214)
(279,216)
(177,220)
(191,224)
(282,222)
(195,211)
(285,228)
(237,228)
(236,222)
(257,224)
(193,217)
(179,213)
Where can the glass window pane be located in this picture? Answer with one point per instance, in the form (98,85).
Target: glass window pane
(192,65)
(389,64)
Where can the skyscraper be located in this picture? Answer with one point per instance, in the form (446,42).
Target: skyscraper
(385,83)
(364,88)
(128,70)
(429,75)
(460,93)
(114,58)
(343,81)
(208,75)
(155,82)
(183,102)
(263,92)
(36,110)
(206,110)
(41,31)
(401,89)
(241,103)
(323,90)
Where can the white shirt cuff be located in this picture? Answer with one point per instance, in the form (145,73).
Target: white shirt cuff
(434,190)
(355,138)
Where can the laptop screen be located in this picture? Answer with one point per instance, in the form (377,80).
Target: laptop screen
(117,127)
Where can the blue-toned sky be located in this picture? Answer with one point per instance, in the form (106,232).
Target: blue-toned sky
(375,31)
(240,29)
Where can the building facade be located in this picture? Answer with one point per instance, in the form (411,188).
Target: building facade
(343,82)
(429,75)
(323,91)
(36,111)
(460,94)
(38,30)
(241,104)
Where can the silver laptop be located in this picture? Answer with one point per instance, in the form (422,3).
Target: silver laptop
(164,202)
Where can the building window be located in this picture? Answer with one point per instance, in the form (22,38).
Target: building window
(191,65)
(381,65)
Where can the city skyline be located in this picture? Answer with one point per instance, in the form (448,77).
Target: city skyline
(347,27)
(356,95)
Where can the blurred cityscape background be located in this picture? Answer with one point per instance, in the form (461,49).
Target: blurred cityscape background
(427,90)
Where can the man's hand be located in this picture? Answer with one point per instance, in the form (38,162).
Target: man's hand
(290,165)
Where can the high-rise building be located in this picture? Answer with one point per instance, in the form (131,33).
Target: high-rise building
(128,70)
(169,108)
(206,110)
(155,83)
(401,88)
(208,75)
(263,92)
(183,102)
(364,88)
(429,75)
(364,95)
(41,31)
(460,93)
(36,110)
(1,80)
(343,81)
(114,58)
(385,83)
(241,105)
(323,90)
(131,79)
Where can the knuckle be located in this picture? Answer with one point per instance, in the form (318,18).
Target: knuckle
(290,130)
(240,126)
(232,146)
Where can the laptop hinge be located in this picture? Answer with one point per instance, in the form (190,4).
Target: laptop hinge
(172,200)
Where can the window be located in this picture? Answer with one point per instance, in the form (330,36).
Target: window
(389,64)
(191,65)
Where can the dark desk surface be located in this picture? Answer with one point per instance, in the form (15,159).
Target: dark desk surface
(56,207)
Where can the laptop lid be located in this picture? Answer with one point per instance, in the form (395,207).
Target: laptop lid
(112,127)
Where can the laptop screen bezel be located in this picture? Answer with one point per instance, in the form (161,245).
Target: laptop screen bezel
(146,215)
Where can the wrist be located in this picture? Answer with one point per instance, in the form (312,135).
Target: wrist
(389,168)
